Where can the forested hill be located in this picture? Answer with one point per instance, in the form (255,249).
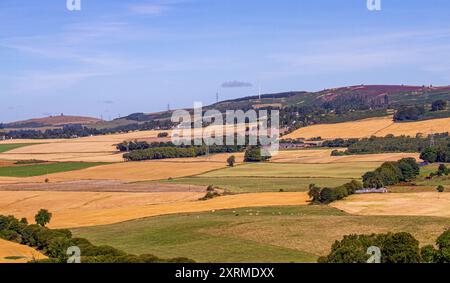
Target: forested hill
(361,97)
(297,108)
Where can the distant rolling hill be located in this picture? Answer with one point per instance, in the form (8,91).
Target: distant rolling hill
(370,95)
(358,97)
(52,121)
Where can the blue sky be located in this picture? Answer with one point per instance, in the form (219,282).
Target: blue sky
(118,57)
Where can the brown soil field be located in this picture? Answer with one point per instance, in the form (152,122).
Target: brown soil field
(77,209)
(380,126)
(318,156)
(412,204)
(7,163)
(11,249)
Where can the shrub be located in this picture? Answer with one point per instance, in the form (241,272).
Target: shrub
(429,254)
(254,154)
(395,248)
(43,217)
(327,195)
(231,160)
(440,189)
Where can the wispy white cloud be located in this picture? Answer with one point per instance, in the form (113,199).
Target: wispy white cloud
(236,84)
(148,9)
(154,8)
(425,50)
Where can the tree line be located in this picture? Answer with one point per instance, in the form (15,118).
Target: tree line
(55,242)
(387,144)
(389,173)
(394,247)
(420,112)
(436,153)
(392,173)
(320,195)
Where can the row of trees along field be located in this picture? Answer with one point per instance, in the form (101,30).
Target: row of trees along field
(420,112)
(394,247)
(138,151)
(55,242)
(392,173)
(389,173)
(387,144)
(437,153)
(71,131)
(320,195)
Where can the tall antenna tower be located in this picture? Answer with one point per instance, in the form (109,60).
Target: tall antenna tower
(259,91)
(432,143)
(217,96)
(168,106)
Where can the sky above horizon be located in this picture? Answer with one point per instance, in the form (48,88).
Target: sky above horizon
(116,57)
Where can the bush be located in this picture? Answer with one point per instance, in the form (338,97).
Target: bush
(395,248)
(231,160)
(440,189)
(327,195)
(429,254)
(43,217)
(254,154)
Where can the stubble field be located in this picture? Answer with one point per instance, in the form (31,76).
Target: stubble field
(15,253)
(380,126)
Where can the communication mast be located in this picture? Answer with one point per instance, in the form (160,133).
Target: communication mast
(432,143)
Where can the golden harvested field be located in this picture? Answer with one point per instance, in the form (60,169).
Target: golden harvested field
(77,209)
(88,149)
(21,253)
(380,126)
(411,204)
(65,205)
(128,171)
(219,157)
(324,156)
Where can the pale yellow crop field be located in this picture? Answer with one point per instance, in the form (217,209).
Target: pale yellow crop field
(26,204)
(87,149)
(75,209)
(322,156)
(380,126)
(128,171)
(10,249)
(412,204)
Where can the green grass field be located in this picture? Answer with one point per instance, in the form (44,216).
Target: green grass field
(273,177)
(422,184)
(43,169)
(252,185)
(290,170)
(8,147)
(272,234)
